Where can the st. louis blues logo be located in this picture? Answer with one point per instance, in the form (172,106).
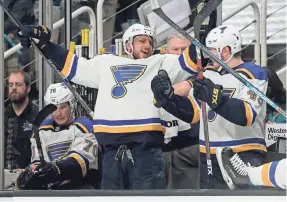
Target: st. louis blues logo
(124,74)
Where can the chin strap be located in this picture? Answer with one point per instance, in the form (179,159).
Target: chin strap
(131,54)
(219,56)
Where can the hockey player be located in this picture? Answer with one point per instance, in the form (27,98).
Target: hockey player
(125,120)
(239,174)
(235,113)
(70,148)
(139,41)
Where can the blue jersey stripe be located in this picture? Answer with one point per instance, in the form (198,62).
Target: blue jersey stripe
(272,173)
(234,142)
(126,122)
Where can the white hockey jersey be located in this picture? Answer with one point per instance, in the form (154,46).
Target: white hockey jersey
(224,133)
(125,99)
(172,125)
(76,141)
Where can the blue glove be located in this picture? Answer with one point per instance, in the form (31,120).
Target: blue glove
(32,31)
(205,90)
(161,88)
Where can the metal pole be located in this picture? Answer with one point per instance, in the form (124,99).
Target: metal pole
(263,33)
(2,99)
(68,17)
(48,21)
(256,26)
(49,14)
(257,47)
(219,15)
(100,25)
(40,61)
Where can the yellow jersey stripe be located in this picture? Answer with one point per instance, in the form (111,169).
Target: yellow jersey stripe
(66,70)
(128,129)
(189,63)
(265,175)
(196,111)
(82,127)
(210,67)
(246,72)
(248,113)
(81,162)
(237,148)
(46,127)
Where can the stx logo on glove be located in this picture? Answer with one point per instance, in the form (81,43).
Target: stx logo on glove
(44,29)
(214,96)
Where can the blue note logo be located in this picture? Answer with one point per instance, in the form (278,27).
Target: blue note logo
(124,74)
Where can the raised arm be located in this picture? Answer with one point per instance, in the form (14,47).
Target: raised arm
(76,69)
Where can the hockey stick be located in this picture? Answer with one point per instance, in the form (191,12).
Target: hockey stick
(157,9)
(49,62)
(210,6)
(37,121)
(206,11)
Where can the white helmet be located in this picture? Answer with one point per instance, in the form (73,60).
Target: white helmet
(135,30)
(58,93)
(223,36)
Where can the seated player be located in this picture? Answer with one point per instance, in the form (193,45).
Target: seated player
(238,174)
(70,149)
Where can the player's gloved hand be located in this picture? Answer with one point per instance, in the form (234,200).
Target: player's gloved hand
(161,88)
(25,41)
(37,176)
(47,173)
(42,33)
(205,90)
(27,179)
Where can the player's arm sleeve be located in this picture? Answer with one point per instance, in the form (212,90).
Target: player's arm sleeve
(179,68)
(184,108)
(76,69)
(83,153)
(248,104)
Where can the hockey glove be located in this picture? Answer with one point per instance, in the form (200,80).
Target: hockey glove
(27,179)
(25,41)
(37,32)
(161,88)
(205,90)
(37,176)
(48,173)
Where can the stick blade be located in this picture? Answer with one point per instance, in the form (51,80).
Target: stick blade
(46,111)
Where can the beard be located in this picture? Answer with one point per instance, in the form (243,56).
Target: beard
(18,98)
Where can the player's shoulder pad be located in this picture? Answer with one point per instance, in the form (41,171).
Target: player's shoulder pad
(47,125)
(84,124)
(252,71)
